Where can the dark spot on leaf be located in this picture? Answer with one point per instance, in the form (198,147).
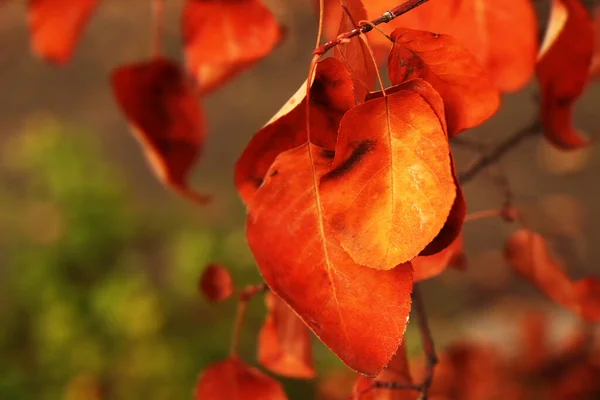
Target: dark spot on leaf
(328,153)
(402,62)
(358,153)
(436,35)
(274,173)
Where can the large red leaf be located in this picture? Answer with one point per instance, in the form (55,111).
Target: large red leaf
(359,313)
(397,371)
(425,267)
(216,283)
(284,344)
(563,70)
(391,187)
(331,96)
(159,104)
(595,67)
(233,380)
(528,253)
(355,53)
(222,38)
(501,34)
(56,26)
(469,97)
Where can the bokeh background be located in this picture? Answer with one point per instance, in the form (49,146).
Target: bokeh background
(99,263)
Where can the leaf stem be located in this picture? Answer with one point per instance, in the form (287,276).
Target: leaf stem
(158,25)
(364,28)
(248,293)
(427,340)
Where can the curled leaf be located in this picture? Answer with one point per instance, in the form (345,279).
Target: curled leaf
(342,302)
(56,26)
(216,283)
(562,70)
(284,344)
(391,186)
(331,96)
(469,96)
(231,379)
(355,53)
(222,38)
(165,117)
(528,253)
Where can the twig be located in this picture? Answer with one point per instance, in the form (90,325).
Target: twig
(158,12)
(428,345)
(364,28)
(245,296)
(493,156)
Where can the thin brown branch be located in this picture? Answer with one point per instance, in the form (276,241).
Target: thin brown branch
(248,293)
(427,340)
(364,28)
(158,27)
(499,151)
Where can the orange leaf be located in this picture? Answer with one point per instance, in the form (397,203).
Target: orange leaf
(563,69)
(159,104)
(284,344)
(57,25)
(527,252)
(355,53)
(391,187)
(216,283)
(359,313)
(469,97)
(397,371)
(425,267)
(222,38)
(233,380)
(331,96)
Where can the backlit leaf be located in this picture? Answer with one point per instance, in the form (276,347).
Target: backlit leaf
(233,380)
(56,26)
(355,53)
(563,70)
(164,114)
(216,283)
(469,97)
(222,38)
(331,96)
(359,313)
(284,344)
(528,253)
(391,187)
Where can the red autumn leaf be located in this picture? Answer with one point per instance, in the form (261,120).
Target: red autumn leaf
(331,96)
(284,344)
(165,117)
(391,178)
(222,38)
(563,70)
(501,34)
(359,313)
(397,371)
(469,97)
(425,267)
(216,283)
(528,253)
(56,26)
(233,380)
(355,53)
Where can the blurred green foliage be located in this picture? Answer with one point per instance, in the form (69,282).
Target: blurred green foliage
(98,297)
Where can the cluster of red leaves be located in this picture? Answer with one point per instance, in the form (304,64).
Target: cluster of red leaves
(471,371)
